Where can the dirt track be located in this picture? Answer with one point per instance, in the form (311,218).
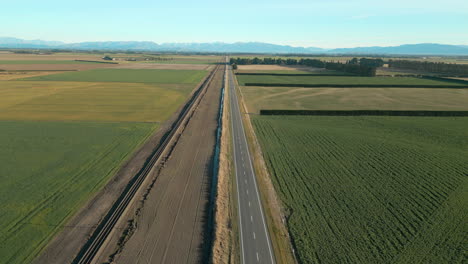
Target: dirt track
(170,227)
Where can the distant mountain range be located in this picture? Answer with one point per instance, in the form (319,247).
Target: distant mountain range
(238,47)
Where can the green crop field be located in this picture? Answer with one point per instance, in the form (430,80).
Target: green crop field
(338,80)
(354,98)
(63,138)
(88,101)
(371,189)
(47,172)
(45,62)
(127,75)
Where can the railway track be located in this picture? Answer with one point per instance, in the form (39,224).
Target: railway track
(92,247)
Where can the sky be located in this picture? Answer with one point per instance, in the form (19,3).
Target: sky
(309,23)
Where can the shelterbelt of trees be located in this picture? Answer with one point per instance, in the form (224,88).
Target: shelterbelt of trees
(361,67)
(435,67)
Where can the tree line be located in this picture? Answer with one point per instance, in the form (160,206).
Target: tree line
(434,67)
(361,67)
(367,62)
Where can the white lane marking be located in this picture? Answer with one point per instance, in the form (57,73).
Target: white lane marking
(238,194)
(256,189)
(258,259)
(251,219)
(247,192)
(245,181)
(254,235)
(249,204)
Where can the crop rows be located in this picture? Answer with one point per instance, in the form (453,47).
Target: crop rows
(370,189)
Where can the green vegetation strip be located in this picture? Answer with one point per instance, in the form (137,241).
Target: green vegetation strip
(48,170)
(127,75)
(363,113)
(371,189)
(342,81)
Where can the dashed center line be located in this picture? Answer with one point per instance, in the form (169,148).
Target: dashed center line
(249,204)
(258,259)
(251,219)
(254,235)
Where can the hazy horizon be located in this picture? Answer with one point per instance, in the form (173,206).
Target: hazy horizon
(298,23)
(194,42)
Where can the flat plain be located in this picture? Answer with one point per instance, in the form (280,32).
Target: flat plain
(65,136)
(47,171)
(339,80)
(90,101)
(370,189)
(45,62)
(294,98)
(127,75)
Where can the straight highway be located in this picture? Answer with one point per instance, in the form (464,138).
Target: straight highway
(255,242)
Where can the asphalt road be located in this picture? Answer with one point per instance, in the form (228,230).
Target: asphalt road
(254,239)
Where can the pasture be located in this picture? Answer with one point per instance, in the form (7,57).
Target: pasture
(293,98)
(127,75)
(45,62)
(12,75)
(90,101)
(48,170)
(65,135)
(338,80)
(370,189)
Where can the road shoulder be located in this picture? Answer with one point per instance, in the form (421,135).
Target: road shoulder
(274,212)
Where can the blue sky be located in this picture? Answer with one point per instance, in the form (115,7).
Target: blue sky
(317,23)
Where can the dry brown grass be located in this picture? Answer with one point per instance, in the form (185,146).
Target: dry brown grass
(6,76)
(54,67)
(14,56)
(222,246)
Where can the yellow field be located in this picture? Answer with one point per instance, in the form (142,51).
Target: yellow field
(90,101)
(354,98)
(5,76)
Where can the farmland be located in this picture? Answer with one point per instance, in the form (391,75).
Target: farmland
(45,62)
(127,75)
(64,135)
(338,80)
(90,101)
(370,189)
(354,98)
(60,175)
